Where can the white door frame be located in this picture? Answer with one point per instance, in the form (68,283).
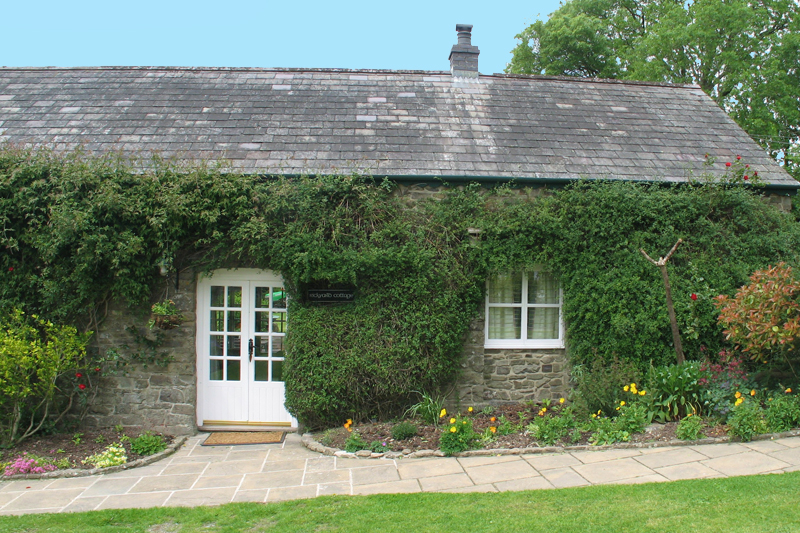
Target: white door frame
(253,400)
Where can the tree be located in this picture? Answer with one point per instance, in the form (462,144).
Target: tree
(744,54)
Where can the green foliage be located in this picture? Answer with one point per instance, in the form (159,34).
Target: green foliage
(742,54)
(506,427)
(148,444)
(783,412)
(41,374)
(457,436)
(748,420)
(428,408)
(675,391)
(722,381)
(113,455)
(404,430)
(355,442)
(377,446)
(599,384)
(689,428)
(551,428)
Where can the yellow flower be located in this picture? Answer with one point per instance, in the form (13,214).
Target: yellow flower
(349,421)
(561,400)
(493,429)
(690,414)
(452,420)
(469,409)
(463,421)
(642,393)
(617,408)
(633,385)
(753,392)
(625,388)
(453,429)
(594,415)
(492,419)
(622,403)
(739,401)
(443,413)
(738,394)
(787,391)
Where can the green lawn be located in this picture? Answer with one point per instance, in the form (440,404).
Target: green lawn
(743,504)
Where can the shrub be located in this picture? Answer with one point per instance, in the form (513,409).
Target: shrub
(457,436)
(404,430)
(689,428)
(549,429)
(148,444)
(747,420)
(633,417)
(675,391)
(428,408)
(721,383)
(28,464)
(355,443)
(600,385)
(783,412)
(113,455)
(377,446)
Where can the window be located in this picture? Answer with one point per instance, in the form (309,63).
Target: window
(523,310)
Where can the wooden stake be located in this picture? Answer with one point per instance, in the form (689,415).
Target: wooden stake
(662,266)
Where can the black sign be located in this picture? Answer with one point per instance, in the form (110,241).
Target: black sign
(330,295)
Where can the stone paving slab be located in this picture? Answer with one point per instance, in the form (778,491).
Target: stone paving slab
(211,476)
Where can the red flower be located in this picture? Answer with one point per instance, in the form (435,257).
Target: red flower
(78,375)
(727,164)
(745,177)
(81,386)
(755,173)
(738,157)
(97,369)
(693,296)
(11,269)
(747,166)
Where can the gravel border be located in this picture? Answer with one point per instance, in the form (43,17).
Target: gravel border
(310,443)
(83,472)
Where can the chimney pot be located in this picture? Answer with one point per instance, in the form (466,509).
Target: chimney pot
(464,56)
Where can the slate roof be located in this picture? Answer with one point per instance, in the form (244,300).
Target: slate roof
(388,123)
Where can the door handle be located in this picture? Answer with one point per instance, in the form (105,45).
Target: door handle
(250,348)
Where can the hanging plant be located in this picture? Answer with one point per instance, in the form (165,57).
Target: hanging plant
(165,315)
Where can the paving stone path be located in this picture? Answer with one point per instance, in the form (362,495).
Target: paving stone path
(198,475)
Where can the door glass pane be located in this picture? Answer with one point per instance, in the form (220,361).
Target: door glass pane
(217,320)
(277,346)
(279,298)
(279,322)
(505,322)
(234,296)
(262,321)
(215,345)
(234,321)
(217,296)
(234,346)
(261,371)
(234,370)
(216,370)
(542,323)
(542,288)
(262,297)
(277,371)
(505,288)
(262,347)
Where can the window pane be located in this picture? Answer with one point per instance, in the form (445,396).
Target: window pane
(279,322)
(217,296)
(542,323)
(277,346)
(505,322)
(542,288)
(277,371)
(505,289)
(217,320)
(215,373)
(262,297)
(261,371)
(234,296)
(262,347)
(262,321)
(279,298)
(234,370)
(234,346)
(234,321)
(215,345)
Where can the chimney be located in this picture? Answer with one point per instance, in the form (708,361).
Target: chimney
(464,56)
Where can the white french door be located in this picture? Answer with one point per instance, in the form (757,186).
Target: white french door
(241,325)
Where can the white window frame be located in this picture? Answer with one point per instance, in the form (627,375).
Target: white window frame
(524,342)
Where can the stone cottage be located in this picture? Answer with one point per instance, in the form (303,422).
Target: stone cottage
(418,129)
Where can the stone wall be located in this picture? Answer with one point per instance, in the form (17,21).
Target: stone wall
(154,398)
(492,376)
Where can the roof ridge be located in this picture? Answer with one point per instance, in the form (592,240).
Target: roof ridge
(597,80)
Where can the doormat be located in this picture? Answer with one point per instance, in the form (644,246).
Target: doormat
(233,438)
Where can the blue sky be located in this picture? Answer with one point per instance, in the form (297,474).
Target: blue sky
(314,34)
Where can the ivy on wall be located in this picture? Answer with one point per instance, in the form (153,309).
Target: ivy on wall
(79,230)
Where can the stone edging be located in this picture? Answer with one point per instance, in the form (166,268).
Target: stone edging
(82,472)
(309,442)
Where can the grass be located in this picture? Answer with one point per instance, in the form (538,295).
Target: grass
(748,504)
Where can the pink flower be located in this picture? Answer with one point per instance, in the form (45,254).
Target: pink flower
(693,296)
